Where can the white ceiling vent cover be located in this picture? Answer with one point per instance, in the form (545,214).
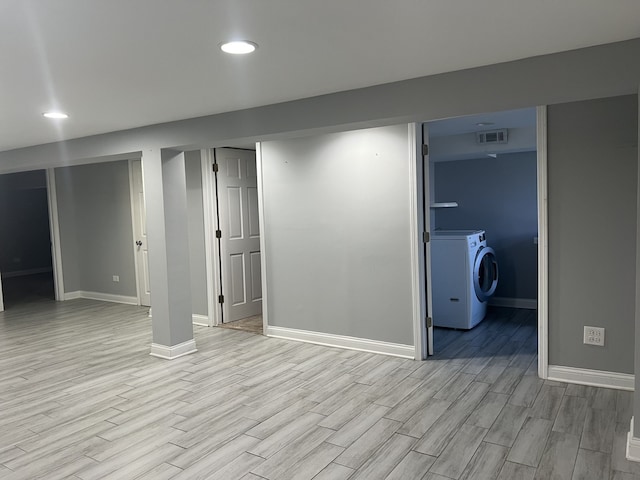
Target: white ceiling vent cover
(492,136)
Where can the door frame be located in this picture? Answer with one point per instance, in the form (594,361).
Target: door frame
(263,240)
(54,227)
(212,245)
(543,243)
(212,248)
(423,219)
(420,260)
(221,262)
(134,226)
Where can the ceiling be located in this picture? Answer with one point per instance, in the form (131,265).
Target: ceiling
(521,118)
(454,138)
(119,64)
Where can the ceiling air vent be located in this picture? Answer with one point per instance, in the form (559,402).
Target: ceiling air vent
(492,136)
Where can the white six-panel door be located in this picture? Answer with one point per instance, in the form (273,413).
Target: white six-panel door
(240,233)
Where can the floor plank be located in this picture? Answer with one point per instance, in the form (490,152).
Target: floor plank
(82,398)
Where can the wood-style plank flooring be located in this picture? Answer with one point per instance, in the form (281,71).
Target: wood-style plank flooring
(81,398)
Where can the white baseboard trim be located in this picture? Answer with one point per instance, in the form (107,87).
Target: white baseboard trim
(104,297)
(24,273)
(202,320)
(633,445)
(175,351)
(72,295)
(594,378)
(340,341)
(528,303)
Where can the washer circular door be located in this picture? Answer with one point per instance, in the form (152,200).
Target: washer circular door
(485,273)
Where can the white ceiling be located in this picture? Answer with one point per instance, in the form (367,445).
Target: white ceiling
(117,64)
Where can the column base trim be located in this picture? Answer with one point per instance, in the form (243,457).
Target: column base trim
(633,445)
(175,351)
(196,319)
(341,341)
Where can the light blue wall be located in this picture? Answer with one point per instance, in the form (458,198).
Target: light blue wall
(497,195)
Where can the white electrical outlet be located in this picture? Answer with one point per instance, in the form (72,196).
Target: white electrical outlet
(594,336)
(116,278)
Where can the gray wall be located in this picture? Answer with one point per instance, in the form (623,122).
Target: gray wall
(96,232)
(197,260)
(592,170)
(595,72)
(25,238)
(66,197)
(337,234)
(498,195)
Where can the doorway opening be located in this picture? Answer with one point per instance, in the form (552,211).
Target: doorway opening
(238,239)
(26,263)
(482,184)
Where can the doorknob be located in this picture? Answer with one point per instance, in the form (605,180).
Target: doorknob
(139,243)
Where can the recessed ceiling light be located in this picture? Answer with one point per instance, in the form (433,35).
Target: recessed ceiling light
(484,124)
(239,47)
(55,115)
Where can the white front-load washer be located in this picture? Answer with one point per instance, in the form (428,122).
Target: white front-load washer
(464,274)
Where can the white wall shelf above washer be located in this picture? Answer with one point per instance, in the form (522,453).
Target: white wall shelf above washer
(444,205)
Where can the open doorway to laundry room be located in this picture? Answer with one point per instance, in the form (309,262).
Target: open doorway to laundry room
(482,195)
(238,239)
(26,265)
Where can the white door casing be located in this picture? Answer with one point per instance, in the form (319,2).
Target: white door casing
(211,253)
(543,268)
(426,197)
(54,226)
(139,218)
(240,233)
(543,243)
(419,215)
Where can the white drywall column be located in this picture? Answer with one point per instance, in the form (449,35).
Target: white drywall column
(166,206)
